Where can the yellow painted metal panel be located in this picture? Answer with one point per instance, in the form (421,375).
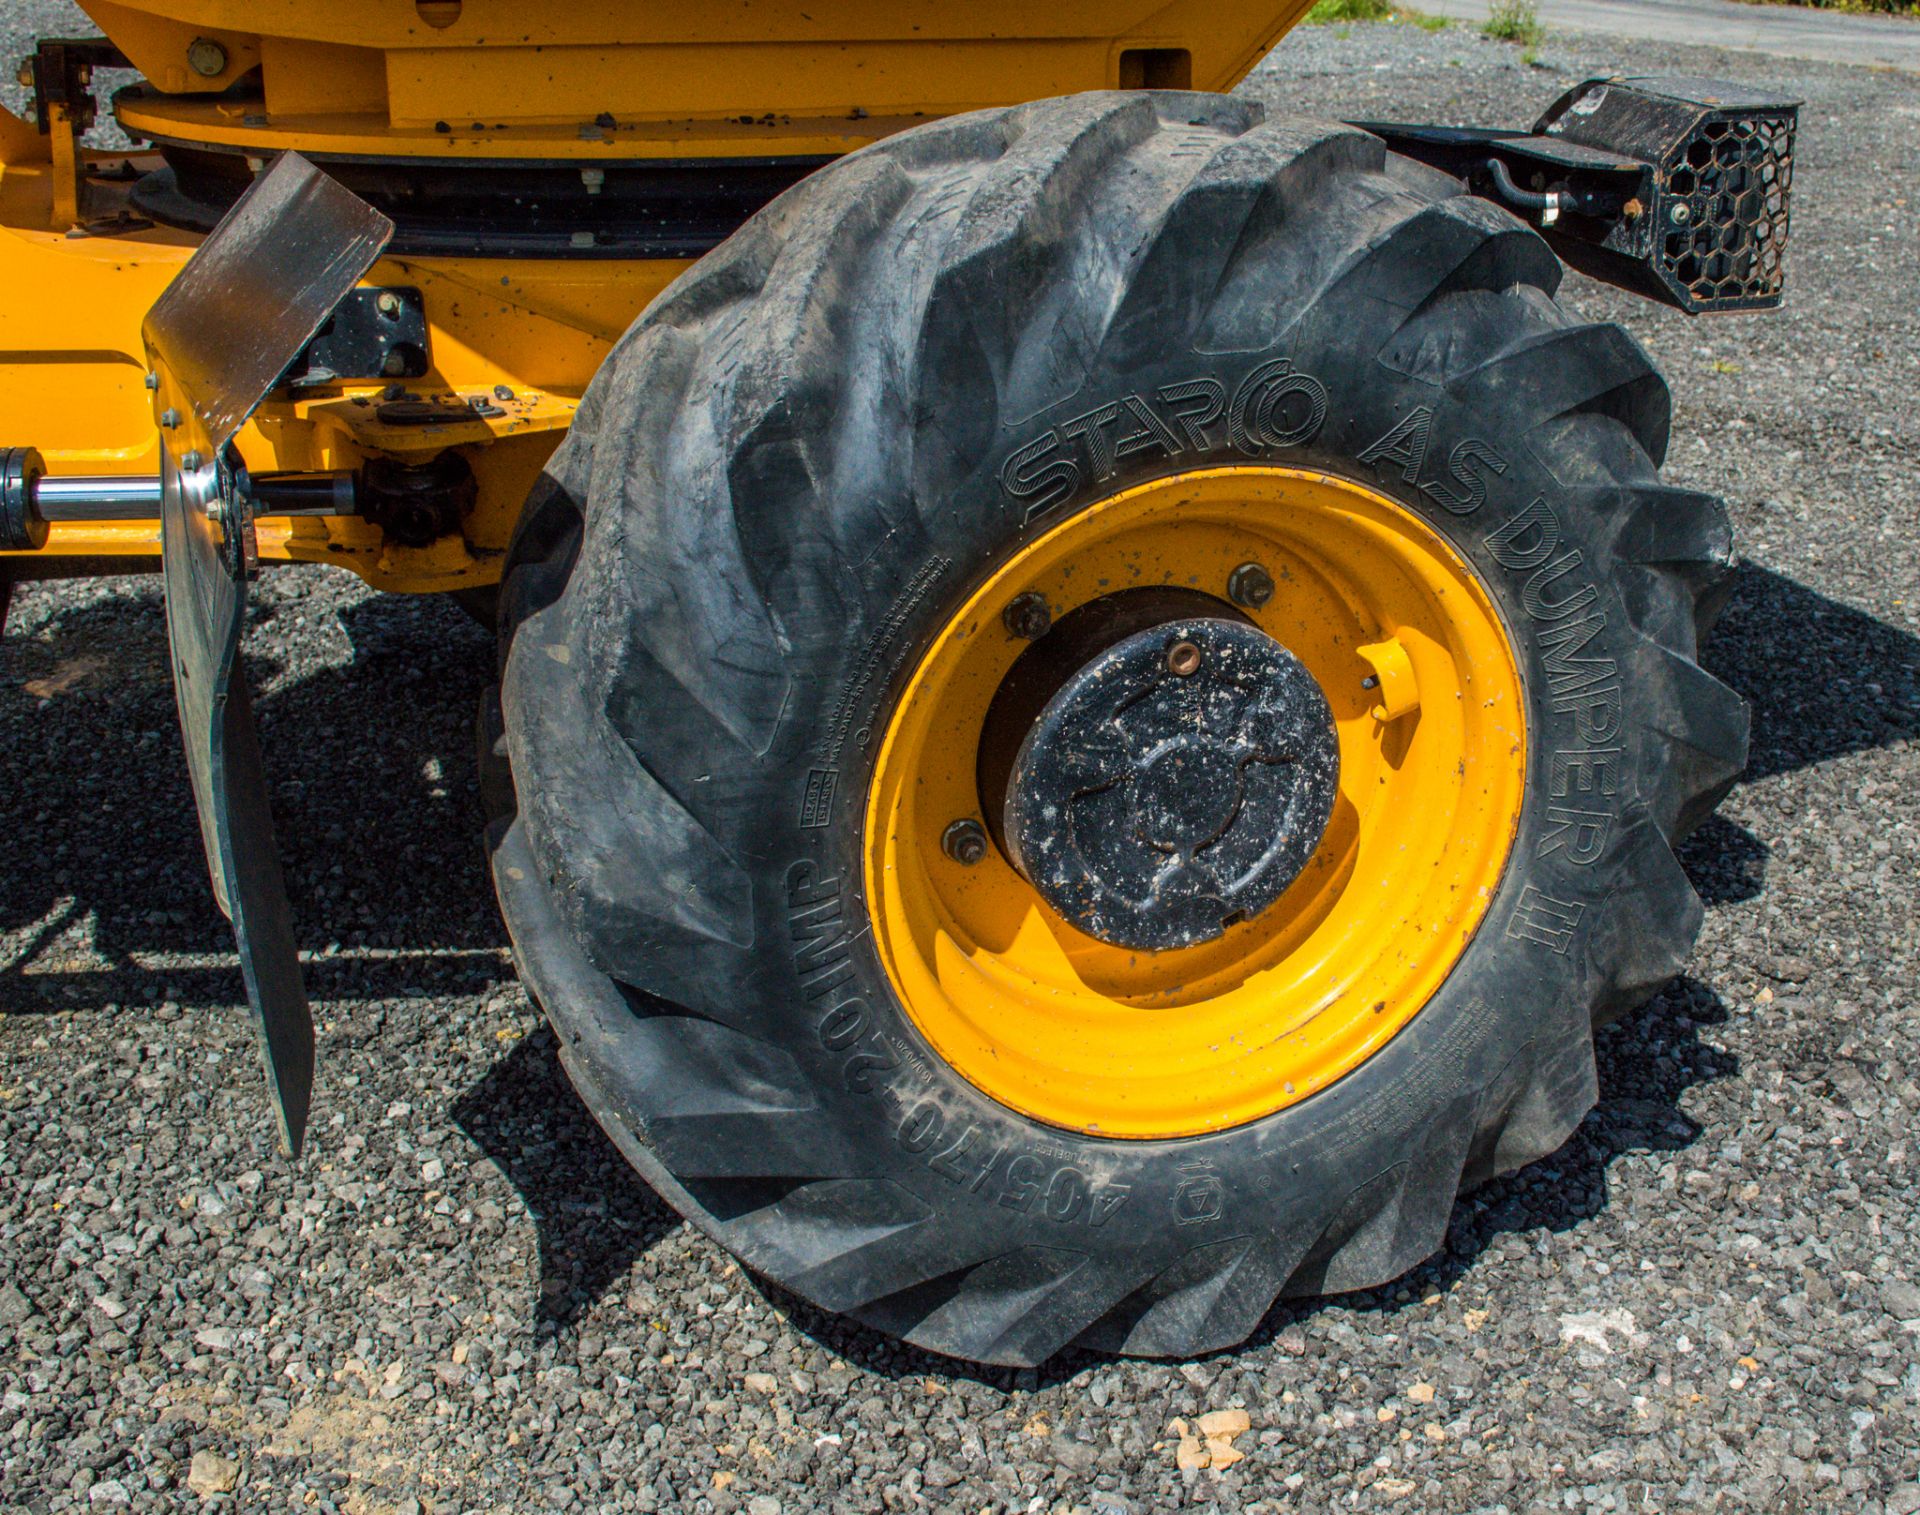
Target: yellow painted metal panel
(579,84)
(156,40)
(603,80)
(657,78)
(300,77)
(606,23)
(19,142)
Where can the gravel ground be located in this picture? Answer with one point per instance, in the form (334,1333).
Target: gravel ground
(462,1300)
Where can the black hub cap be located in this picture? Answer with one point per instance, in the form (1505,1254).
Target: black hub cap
(1175,782)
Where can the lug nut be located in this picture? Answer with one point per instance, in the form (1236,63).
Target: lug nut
(1183,658)
(1027,616)
(169,418)
(1250,586)
(965,842)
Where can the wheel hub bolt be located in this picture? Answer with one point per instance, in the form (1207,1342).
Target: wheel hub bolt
(965,841)
(1250,586)
(1027,616)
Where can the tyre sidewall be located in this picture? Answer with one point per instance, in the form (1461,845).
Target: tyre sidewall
(1514,1004)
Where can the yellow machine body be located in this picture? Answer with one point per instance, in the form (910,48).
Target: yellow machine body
(613,83)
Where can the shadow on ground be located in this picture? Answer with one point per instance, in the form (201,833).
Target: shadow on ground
(1822,678)
(85,705)
(371,763)
(594,1215)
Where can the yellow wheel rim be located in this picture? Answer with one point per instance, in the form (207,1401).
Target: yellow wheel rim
(1431,730)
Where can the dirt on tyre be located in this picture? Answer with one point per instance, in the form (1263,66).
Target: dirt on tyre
(1098,703)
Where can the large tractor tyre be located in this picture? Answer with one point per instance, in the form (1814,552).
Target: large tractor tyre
(1098,703)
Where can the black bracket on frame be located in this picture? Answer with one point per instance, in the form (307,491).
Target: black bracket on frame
(59,71)
(372,334)
(1673,188)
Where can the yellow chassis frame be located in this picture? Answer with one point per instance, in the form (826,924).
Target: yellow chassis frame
(72,383)
(479,79)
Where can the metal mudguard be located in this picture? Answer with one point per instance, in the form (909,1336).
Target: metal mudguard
(218,341)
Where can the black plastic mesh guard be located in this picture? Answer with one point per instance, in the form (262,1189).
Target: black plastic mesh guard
(1733,177)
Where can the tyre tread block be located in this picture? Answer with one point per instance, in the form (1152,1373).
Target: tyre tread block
(635,871)
(1262,298)
(546,547)
(1590,370)
(697,1068)
(667,619)
(1563,1085)
(1021,1307)
(820,1229)
(1213,1296)
(783,362)
(1701,732)
(1189,255)
(1400,1216)
(749,1144)
(1438,250)
(1000,308)
(1644,939)
(909,1257)
(1685,534)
